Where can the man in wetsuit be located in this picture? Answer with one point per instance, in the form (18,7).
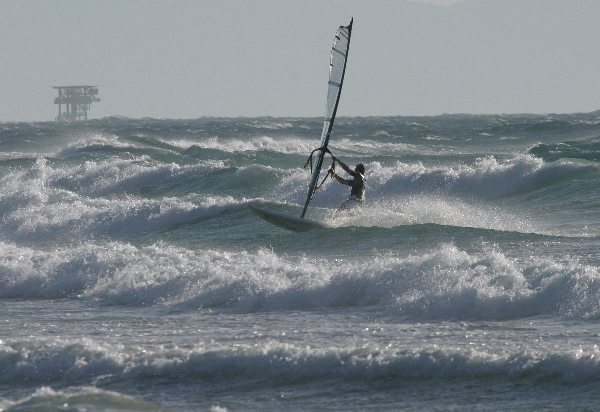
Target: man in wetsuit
(357,193)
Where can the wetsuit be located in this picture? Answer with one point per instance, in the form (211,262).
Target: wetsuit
(357,184)
(357,193)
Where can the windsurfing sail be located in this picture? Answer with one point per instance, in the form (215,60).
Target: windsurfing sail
(337,70)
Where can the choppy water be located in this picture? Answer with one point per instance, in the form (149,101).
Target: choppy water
(134,276)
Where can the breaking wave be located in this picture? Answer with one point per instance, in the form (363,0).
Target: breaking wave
(447,283)
(85,362)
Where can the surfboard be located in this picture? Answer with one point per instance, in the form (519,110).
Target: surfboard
(292,223)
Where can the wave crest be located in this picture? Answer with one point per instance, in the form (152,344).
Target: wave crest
(88,363)
(446,283)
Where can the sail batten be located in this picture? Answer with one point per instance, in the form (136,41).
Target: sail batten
(339,51)
(337,70)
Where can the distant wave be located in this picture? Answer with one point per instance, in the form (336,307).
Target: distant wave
(262,143)
(583,150)
(93,142)
(303,146)
(84,362)
(88,398)
(444,283)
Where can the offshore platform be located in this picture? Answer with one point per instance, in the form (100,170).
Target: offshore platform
(77,101)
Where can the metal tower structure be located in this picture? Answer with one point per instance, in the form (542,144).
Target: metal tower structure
(77,101)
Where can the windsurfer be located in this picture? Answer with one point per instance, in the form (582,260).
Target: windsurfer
(357,193)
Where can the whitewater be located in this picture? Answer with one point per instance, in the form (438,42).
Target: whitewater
(134,275)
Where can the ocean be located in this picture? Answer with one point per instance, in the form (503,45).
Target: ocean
(134,276)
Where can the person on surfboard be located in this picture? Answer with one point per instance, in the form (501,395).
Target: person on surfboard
(357,193)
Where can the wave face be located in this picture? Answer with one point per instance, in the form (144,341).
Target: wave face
(129,253)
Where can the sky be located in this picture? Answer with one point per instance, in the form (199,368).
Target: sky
(195,58)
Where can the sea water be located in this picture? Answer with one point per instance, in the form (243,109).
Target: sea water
(134,276)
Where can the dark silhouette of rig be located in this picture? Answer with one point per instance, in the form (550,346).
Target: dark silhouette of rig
(77,101)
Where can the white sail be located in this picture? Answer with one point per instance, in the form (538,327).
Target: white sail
(337,70)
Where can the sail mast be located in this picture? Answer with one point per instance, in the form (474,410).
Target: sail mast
(336,81)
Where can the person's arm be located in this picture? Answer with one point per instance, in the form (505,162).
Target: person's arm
(345,167)
(341,179)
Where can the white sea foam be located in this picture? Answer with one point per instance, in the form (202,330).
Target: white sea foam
(232,145)
(292,145)
(18,155)
(444,283)
(274,125)
(24,186)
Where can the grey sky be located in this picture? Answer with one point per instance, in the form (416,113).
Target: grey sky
(187,59)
